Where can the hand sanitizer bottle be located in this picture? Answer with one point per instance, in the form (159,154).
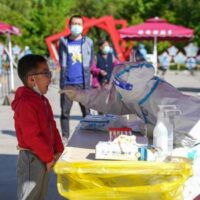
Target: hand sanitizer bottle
(160,132)
(162,127)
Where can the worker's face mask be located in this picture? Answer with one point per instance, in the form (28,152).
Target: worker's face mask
(76,29)
(123,88)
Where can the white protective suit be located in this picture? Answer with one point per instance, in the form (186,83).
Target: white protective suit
(136,90)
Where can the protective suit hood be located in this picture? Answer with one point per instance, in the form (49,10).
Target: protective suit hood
(130,79)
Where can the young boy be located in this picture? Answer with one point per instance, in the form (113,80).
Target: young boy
(39,142)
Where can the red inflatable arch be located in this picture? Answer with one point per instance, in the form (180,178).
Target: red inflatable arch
(107,23)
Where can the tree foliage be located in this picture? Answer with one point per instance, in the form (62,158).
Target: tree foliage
(38,19)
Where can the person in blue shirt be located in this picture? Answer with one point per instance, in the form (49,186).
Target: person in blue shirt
(164,64)
(136,55)
(75,57)
(142,51)
(27,50)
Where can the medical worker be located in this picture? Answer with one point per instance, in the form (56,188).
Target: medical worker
(136,90)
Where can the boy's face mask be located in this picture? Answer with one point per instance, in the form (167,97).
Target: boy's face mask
(35,87)
(76,29)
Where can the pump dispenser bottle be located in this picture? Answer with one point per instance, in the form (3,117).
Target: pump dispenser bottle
(161,133)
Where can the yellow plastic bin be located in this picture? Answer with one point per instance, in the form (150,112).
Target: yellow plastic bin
(118,180)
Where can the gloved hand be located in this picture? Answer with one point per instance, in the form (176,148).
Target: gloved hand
(70,92)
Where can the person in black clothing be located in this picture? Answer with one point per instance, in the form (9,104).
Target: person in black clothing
(105,61)
(136,55)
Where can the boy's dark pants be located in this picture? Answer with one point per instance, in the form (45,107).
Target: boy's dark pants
(32,177)
(66,105)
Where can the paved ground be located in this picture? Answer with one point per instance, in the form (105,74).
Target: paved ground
(8,153)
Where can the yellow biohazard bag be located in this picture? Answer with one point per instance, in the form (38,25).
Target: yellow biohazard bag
(122,180)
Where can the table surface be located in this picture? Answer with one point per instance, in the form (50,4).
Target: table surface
(82,144)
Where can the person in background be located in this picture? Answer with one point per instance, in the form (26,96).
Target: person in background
(27,50)
(164,65)
(39,142)
(16,52)
(24,52)
(191,64)
(1,57)
(136,56)
(103,65)
(75,57)
(143,51)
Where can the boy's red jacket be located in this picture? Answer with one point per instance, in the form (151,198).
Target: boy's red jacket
(35,126)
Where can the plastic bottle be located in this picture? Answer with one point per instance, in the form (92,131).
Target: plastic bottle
(161,133)
(170,126)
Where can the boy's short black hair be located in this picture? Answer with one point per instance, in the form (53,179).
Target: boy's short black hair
(75,16)
(27,64)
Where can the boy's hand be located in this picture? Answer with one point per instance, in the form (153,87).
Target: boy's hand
(56,156)
(49,165)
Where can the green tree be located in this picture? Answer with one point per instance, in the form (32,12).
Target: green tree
(38,19)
